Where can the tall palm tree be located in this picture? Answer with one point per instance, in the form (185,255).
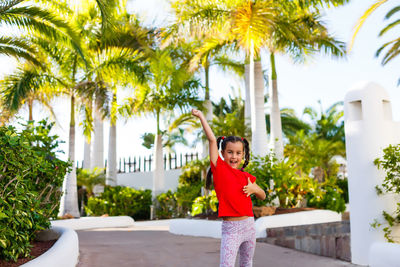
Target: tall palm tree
(168,85)
(67,63)
(243,24)
(284,26)
(117,60)
(308,36)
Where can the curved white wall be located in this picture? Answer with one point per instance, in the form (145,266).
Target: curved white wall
(64,253)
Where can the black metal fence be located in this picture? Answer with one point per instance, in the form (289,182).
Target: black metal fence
(144,164)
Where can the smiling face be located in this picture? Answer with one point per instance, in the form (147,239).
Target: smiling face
(233,154)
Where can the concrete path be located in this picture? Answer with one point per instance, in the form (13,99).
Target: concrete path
(152,246)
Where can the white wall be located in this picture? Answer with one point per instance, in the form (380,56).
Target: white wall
(369,128)
(144,180)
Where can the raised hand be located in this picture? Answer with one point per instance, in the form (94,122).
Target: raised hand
(197,113)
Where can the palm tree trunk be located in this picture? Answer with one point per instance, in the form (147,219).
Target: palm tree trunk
(208,105)
(30,108)
(258,125)
(87,147)
(69,199)
(112,149)
(209,116)
(86,153)
(276,142)
(97,156)
(98,142)
(247,107)
(158,173)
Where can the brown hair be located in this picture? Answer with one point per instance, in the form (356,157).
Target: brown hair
(221,143)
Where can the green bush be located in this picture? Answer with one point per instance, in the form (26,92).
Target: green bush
(119,200)
(166,205)
(205,204)
(30,180)
(329,196)
(190,185)
(291,185)
(279,180)
(389,163)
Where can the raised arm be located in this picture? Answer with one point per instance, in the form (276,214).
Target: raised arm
(212,141)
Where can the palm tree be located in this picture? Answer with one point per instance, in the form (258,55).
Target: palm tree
(168,85)
(329,123)
(291,124)
(29,84)
(117,60)
(251,25)
(316,149)
(308,36)
(25,16)
(244,24)
(67,64)
(392,47)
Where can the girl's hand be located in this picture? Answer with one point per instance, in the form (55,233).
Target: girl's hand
(197,113)
(250,188)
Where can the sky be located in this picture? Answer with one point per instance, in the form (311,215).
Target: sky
(321,78)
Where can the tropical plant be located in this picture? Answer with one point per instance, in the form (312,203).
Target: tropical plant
(90,178)
(205,204)
(328,124)
(229,118)
(316,156)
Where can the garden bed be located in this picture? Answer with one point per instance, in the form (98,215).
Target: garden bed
(38,248)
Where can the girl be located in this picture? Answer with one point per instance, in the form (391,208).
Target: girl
(233,187)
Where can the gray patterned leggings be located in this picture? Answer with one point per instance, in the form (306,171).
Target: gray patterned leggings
(238,235)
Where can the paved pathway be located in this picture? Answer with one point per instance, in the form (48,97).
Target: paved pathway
(154,246)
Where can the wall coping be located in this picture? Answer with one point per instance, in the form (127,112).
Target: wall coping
(84,223)
(210,228)
(64,252)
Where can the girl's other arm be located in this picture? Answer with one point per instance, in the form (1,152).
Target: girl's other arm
(253,188)
(213,147)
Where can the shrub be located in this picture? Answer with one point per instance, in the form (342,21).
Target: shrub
(119,200)
(166,205)
(190,184)
(280,180)
(327,195)
(291,185)
(390,185)
(205,204)
(30,180)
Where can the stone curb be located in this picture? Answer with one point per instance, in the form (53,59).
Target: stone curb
(64,253)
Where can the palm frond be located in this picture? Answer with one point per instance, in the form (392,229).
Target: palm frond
(363,18)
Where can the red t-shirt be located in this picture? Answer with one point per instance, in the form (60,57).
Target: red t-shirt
(228,184)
